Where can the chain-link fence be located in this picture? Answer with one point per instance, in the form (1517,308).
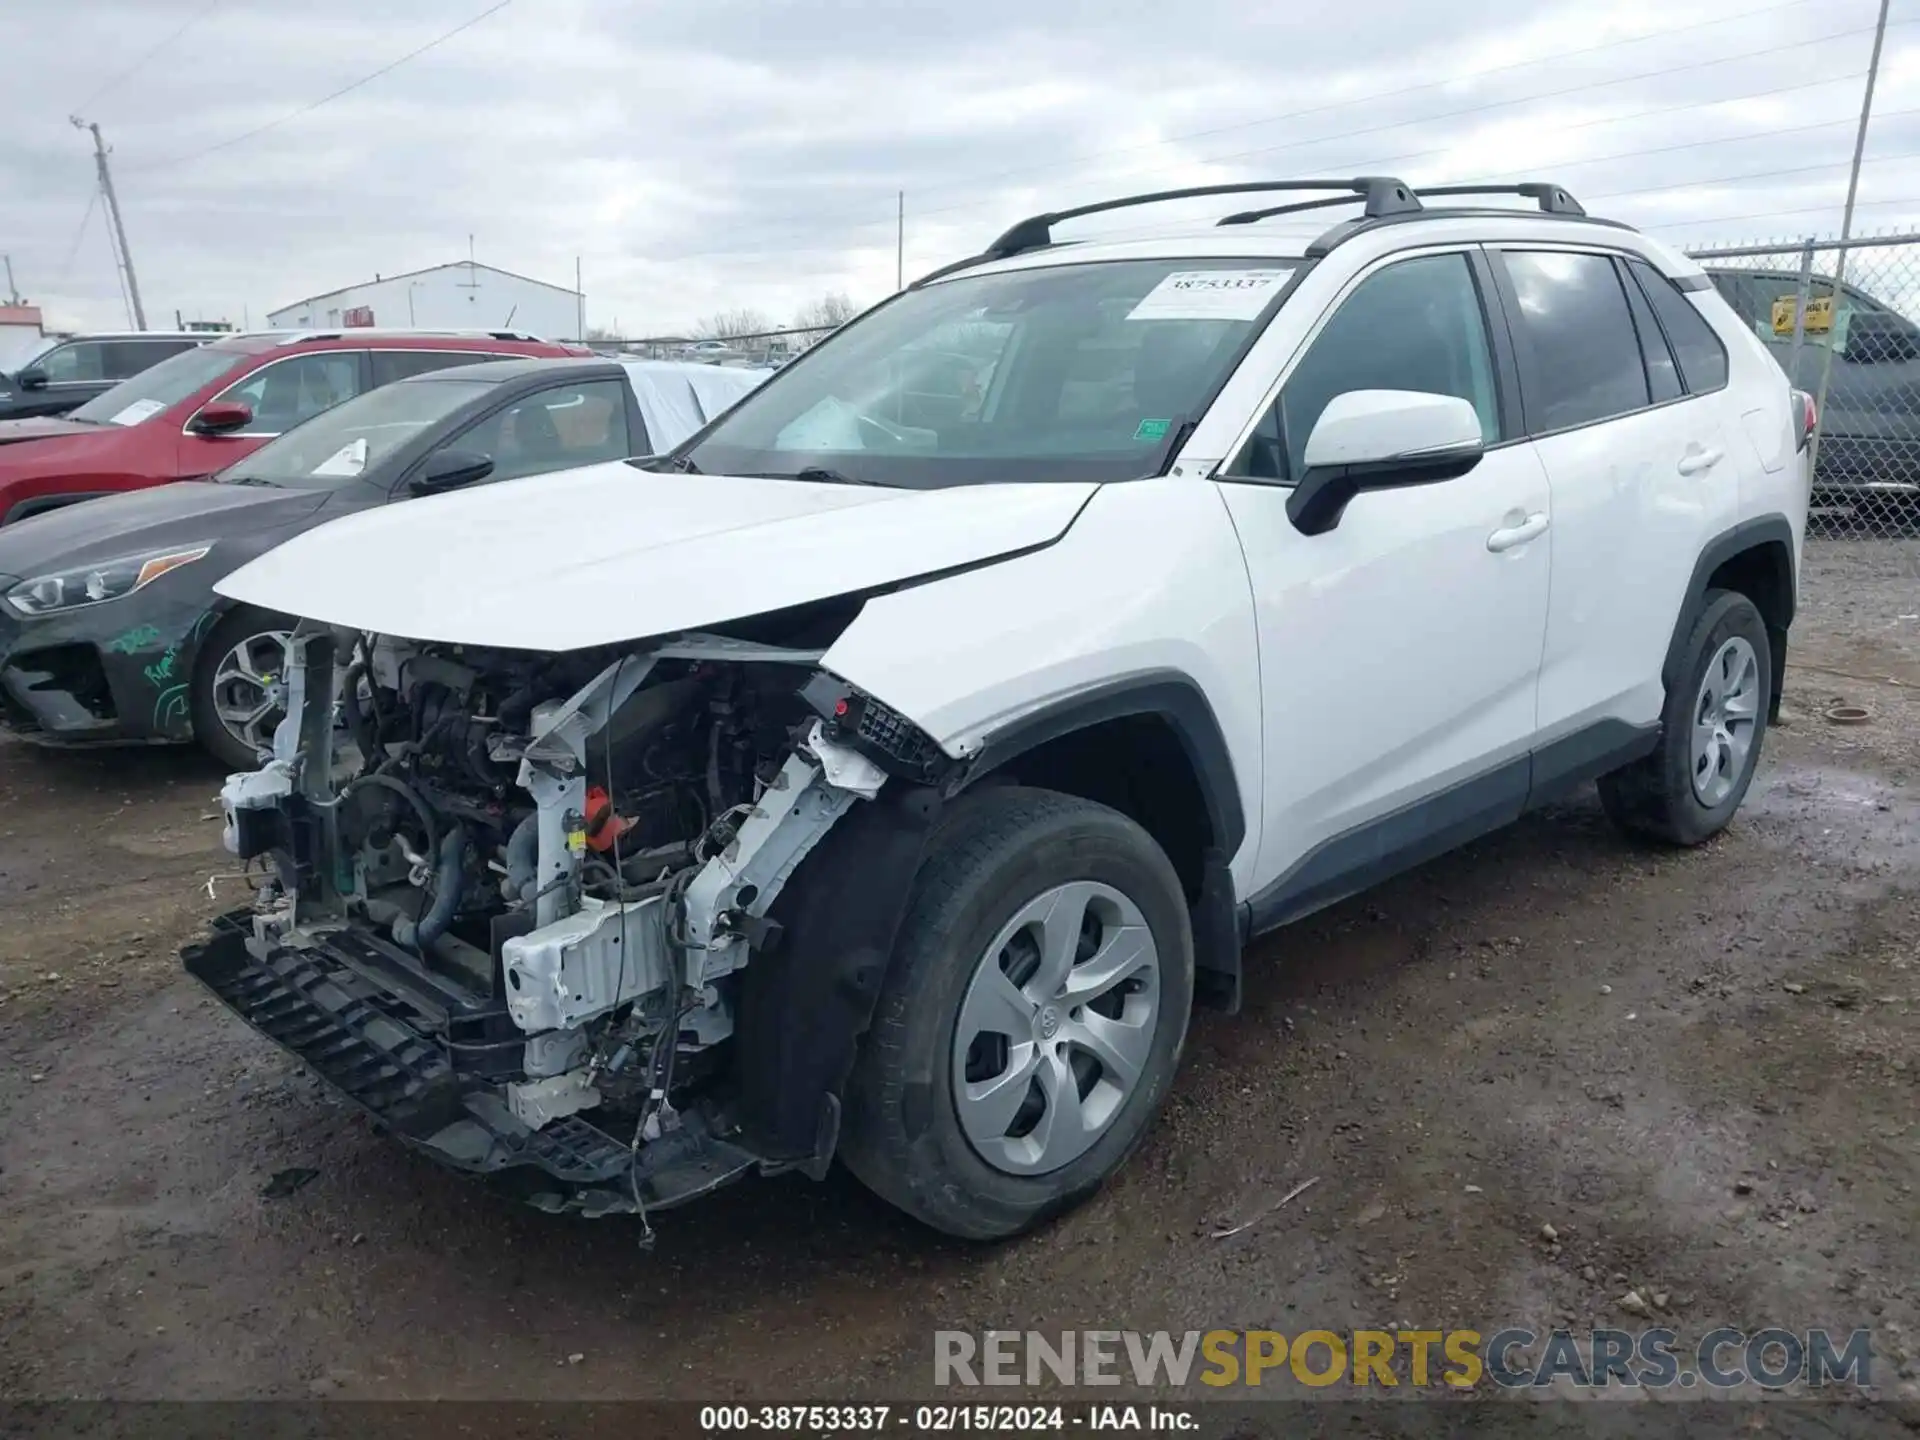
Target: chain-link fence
(1855,346)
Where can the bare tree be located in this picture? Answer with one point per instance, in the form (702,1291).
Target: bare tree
(733,324)
(598,334)
(829,312)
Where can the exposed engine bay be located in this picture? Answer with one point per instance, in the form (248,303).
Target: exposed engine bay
(506,891)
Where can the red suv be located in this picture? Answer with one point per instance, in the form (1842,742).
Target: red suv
(203,409)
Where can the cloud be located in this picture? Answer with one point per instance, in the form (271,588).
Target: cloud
(705,156)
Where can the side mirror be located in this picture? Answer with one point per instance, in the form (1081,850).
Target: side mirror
(221,417)
(1380,440)
(31,378)
(449,470)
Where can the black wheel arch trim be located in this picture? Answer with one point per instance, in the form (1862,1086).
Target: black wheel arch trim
(1761,530)
(1167,694)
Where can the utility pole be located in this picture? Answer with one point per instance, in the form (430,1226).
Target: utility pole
(900,245)
(579,304)
(13,291)
(1846,224)
(113,215)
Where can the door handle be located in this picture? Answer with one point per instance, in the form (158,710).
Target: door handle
(1508,536)
(1697,460)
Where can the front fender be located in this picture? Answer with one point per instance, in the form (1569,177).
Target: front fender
(1148,588)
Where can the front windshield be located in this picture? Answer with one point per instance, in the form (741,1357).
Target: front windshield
(158,386)
(1071,372)
(340,445)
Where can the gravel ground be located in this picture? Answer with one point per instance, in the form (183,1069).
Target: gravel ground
(1699,1069)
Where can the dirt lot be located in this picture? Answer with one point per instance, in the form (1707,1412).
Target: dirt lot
(1701,1070)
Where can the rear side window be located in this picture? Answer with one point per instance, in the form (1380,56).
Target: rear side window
(127,358)
(391,365)
(553,430)
(1580,358)
(1416,325)
(1663,376)
(286,392)
(1703,359)
(78,364)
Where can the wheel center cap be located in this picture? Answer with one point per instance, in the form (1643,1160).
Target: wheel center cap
(1049,1023)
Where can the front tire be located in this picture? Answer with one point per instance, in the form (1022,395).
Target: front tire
(1710,733)
(1031,1021)
(234,697)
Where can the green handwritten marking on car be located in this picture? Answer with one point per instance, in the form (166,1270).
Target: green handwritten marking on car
(170,708)
(161,670)
(141,637)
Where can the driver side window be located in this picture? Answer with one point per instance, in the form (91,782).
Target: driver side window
(286,392)
(1416,325)
(78,364)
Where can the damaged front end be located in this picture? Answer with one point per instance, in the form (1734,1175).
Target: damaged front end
(605,925)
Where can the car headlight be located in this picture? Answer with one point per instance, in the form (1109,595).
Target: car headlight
(93,584)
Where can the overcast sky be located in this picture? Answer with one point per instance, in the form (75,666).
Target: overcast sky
(700,155)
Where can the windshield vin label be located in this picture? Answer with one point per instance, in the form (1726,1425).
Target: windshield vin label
(1210,295)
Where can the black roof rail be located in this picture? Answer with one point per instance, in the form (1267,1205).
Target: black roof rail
(1552,198)
(1382,194)
(1386,201)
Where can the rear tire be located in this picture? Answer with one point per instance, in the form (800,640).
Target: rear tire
(1687,790)
(218,694)
(1086,1046)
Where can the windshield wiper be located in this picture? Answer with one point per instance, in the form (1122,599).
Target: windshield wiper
(821,475)
(244,480)
(668,464)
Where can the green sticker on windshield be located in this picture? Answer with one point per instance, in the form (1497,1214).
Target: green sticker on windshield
(1153,430)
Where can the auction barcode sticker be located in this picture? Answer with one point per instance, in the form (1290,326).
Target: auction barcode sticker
(1210,295)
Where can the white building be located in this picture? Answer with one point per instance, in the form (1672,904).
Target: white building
(460,296)
(22,335)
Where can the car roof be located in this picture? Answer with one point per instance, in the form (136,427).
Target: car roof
(257,342)
(1392,216)
(497,372)
(1290,242)
(207,335)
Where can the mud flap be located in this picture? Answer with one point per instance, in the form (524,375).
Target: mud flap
(805,1004)
(1216,938)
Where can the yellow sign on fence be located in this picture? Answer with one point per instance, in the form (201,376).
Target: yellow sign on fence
(1819,315)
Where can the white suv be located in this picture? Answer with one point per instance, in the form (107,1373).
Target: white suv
(886,772)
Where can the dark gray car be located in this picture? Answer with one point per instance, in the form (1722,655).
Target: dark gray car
(1870,424)
(71,372)
(110,632)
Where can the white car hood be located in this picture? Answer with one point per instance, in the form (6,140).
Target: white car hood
(608,553)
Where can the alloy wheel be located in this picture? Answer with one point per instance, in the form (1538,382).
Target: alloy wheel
(1726,716)
(249,688)
(1055,1029)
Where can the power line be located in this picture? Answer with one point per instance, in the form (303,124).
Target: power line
(1417,121)
(386,69)
(1550,95)
(1368,99)
(976,182)
(1533,168)
(1754,175)
(147,55)
(1779,214)
(73,250)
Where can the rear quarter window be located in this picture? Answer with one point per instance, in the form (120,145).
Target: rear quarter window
(1701,356)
